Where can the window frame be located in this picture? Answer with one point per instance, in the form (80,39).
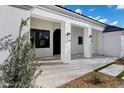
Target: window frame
(40,31)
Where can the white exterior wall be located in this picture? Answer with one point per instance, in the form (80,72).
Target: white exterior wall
(75,47)
(45,25)
(100,42)
(112,44)
(56,26)
(95,42)
(122,43)
(10,19)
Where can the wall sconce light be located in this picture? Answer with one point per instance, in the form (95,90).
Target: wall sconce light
(68,36)
(91,38)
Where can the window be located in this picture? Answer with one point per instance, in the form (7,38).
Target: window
(41,38)
(80,40)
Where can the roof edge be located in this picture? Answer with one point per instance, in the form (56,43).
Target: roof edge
(113,31)
(86,16)
(80,14)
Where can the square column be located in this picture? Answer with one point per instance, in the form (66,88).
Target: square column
(88,42)
(65,42)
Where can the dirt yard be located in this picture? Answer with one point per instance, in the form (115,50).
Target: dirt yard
(87,81)
(120,61)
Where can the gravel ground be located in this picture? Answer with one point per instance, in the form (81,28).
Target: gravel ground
(121,86)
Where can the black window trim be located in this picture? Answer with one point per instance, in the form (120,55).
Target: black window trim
(41,30)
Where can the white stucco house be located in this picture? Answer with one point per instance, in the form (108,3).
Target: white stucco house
(56,30)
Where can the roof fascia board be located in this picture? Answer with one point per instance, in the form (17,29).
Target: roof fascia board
(30,7)
(67,16)
(70,17)
(84,17)
(113,31)
(81,17)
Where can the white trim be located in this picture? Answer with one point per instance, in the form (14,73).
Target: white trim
(74,18)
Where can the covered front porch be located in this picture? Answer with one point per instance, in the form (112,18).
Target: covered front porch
(80,45)
(63,38)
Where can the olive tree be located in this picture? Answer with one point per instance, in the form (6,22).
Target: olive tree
(19,70)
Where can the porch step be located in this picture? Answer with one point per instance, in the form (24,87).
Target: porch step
(51,63)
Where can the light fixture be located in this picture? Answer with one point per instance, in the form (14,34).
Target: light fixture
(91,37)
(68,35)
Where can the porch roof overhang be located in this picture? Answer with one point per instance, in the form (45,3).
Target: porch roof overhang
(77,19)
(59,9)
(71,13)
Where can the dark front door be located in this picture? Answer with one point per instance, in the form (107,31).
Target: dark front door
(57,41)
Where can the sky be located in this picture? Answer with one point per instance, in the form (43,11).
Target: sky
(110,14)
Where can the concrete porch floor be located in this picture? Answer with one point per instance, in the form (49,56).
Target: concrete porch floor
(56,58)
(55,74)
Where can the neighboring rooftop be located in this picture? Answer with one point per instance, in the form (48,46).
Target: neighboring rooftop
(108,28)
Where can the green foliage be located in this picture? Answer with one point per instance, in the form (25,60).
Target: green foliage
(95,78)
(19,70)
(120,75)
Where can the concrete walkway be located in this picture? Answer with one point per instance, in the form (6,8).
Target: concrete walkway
(56,74)
(113,70)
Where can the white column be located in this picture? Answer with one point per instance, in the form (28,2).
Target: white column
(87,42)
(65,42)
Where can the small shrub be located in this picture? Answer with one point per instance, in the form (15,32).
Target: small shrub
(95,78)
(120,75)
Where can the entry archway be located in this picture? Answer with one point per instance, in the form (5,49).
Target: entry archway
(57,42)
